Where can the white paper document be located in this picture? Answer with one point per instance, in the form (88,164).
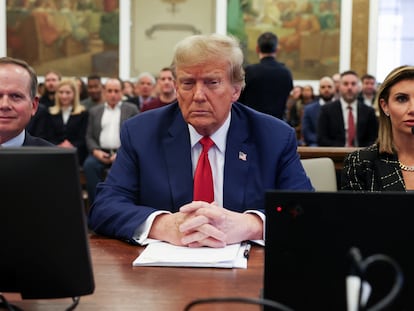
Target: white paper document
(164,254)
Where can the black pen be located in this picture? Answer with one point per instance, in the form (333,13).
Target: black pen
(246,252)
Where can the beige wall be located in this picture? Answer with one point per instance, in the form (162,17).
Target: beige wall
(157,27)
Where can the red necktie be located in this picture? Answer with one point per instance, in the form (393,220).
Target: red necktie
(203,177)
(351,127)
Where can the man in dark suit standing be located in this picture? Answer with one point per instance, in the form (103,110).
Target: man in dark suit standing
(347,121)
(269,82)
(18,103)
(151,188)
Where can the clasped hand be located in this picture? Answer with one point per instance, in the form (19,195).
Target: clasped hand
(103,156)
(207,224)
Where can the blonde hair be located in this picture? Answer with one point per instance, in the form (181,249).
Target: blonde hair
(77,108)
(385,138)
(199,49)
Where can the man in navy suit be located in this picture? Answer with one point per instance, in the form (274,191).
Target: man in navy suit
(269,82)
(311,111)
(333,118)
(148,192)
(18,103)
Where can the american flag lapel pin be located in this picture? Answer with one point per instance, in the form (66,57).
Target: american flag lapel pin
(242,156)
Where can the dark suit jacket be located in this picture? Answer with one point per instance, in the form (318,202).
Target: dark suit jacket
(94,122)
(46,101)
(35,141)
(369,170)
(74,131)
(37,125)
(331,131)
(310,123)
(268,85)
(153,171)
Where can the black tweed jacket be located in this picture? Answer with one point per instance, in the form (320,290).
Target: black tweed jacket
(369,170)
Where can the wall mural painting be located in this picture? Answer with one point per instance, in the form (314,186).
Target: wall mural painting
(76,38)
(308,32)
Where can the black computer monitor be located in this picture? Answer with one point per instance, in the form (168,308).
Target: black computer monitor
(309,238)
(43,235)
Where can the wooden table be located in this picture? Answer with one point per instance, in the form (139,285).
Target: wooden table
(119,286)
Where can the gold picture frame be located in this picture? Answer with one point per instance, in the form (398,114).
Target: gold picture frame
(76,38)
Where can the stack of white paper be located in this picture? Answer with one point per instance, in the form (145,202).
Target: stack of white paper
(165,254)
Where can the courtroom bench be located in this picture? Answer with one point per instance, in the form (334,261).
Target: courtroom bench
(337,154)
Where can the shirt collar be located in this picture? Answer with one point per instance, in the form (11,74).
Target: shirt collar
(219,136)
(15,141)
(67,109)
(345,104)
(118,105)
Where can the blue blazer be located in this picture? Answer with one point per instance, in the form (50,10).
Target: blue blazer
(153,168)
(310,123)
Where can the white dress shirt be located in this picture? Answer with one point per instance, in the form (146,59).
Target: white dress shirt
(110,133)
(66,114)
(15,141)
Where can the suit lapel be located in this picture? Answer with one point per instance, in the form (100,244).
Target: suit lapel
(177,155)
(124,114)
(315,115)
(361,118)
(57,119)
(339,118)
(389,175)
(98,119)
(238,156)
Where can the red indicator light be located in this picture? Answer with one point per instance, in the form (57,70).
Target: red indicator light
(278,209)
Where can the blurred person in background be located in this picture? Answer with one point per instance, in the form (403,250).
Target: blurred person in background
(166,91)
(52,79)
(144,89)
(68,119)
(95,92)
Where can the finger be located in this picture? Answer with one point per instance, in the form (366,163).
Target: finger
(193,237)
(193,206)
(203,231)
(193,223)
(211,231)
(189,207)
(195,245)
(208,242)
(215,214)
